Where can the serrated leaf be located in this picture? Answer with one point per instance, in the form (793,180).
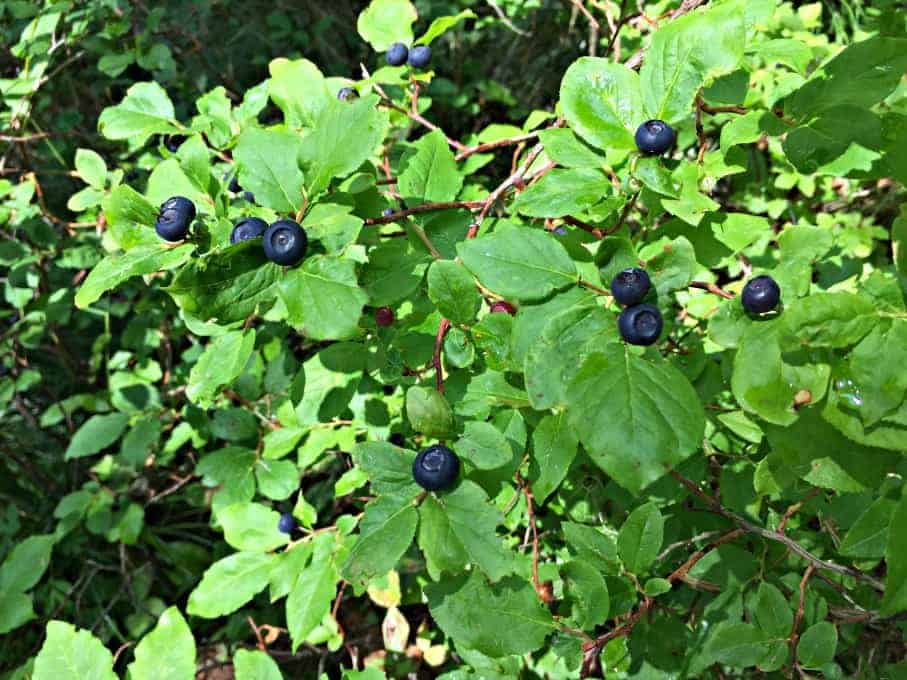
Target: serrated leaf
(70,654)
(299,89)
(311,597)
(554,446)
(268,168)
(441,25)
(114,269)
(385,532)
(251,527)
(385,22)
(562,192)
(510,620)
(868,536)
(453,291)
(483,445)
(817,645)
(91,168)
(636,418)
(428,412)
(146,110)
(429,172)
(589,593)
(223,360)
(640,538)
(323,298)
(345,134)
(167,652)
(519,263)
(229,583)
(602,102)
(773,613)
(389,468)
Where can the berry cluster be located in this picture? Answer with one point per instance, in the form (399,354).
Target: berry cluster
(640,323)
(284,242)
(417,57)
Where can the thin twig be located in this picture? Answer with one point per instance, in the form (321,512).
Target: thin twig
(489,146)
(791,545)
(712,288)
(443,327)
(798,616)
(424,208)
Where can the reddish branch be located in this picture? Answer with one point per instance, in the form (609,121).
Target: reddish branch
(593,649)
(775,536)
(443,327)
(543,590)
(497,144)
(712,288)
(424,208)
(798,616)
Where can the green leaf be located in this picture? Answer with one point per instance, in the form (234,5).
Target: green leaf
(222,362)
(562,192)
(310,600)
(640,538)
(861,75)
(483,445)
(385,22)
(826,320)
(817,645)
(519,263)
(333,225)
(453,291)
(496,620)
(602,102)
(428,412)
(738,644)
(114,269)
(26,563)
(345,135)
(255,665)
(323,298)
(589,593)
(895,597)
(565,148)
(251,527)
(554,446)
(441,25)
(91,168)
(70,654)
(130,218)
(429,171)
(688,53)
(299,89)
(471,522)
(385,532)
(268,168)
(636,418)
(842,130)
(146,110)
(167,652)
(277,479)
(773,613)
(882,389)
(16,609)
(389,468)
(96,434)
(868,536)
(442,553)
(555,357)
(229,583)
(758,381)
(227,286)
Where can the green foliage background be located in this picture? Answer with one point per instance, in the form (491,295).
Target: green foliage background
(726,503)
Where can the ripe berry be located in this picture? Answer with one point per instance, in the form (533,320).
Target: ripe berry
(655,137)
(174,218)
(436,468)
(397,54)
(503,306)
(285,243)
(286,523)
(640,324)
(346,93)
(559,231)
(387,212)
(760,295)
(248,196)
(248,228)
(397,439)
(630,286)
(419,56)
(234,185)
(384,317)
